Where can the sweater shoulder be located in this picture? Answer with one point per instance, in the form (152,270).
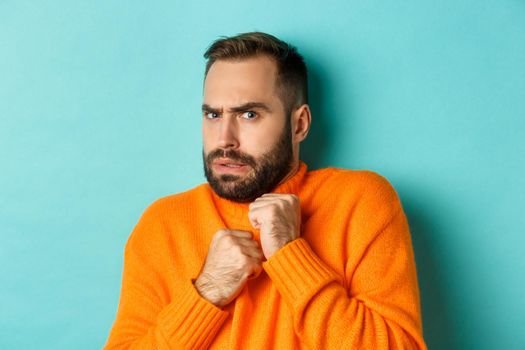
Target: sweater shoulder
(156,216)
(361,180)
(174,201)
(364,188)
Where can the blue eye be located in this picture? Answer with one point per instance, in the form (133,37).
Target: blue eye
(249,115)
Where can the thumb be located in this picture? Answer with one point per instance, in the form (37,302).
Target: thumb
(254,220)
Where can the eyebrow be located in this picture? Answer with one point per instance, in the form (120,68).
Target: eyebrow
(241,108)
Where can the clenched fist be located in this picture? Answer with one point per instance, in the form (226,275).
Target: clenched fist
(233,257)
(278,217)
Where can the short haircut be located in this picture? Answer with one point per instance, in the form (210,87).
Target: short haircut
(292,75)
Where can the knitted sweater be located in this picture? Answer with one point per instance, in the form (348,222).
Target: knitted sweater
(349,281)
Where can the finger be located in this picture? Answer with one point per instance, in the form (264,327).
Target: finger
(241,234)
(261,203)
(254,269)
(255,272)
(280,200)
(276,196)
(253,216)
(269,198)
(247,242)
(253,252)
(266,195)
(260,213)
(233,233)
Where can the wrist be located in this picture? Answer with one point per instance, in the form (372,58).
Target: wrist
(279,246)
(208,290)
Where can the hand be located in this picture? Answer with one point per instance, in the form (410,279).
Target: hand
(278,217)
(233,257)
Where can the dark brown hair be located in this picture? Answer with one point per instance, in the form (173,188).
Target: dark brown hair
(292,76)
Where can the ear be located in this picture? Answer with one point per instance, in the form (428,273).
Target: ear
(301,120)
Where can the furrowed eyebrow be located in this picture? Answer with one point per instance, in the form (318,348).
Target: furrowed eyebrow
(251,105)
(242,108)
(207,108)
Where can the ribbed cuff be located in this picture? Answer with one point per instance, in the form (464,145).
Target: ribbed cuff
(297,272)
(191,321)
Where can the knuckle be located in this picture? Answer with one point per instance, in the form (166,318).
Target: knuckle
(228,239)
(244,260)
(236,249)
(220,233)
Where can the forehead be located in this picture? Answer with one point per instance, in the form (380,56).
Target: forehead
(233,82)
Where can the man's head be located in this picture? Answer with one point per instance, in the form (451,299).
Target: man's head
(255,114)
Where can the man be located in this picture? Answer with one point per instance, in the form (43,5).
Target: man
(267,255)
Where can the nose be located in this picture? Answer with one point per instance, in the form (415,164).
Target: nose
(228,134)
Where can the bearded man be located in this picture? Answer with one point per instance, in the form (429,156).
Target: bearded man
(268,255)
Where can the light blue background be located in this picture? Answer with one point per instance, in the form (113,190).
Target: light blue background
(99,116)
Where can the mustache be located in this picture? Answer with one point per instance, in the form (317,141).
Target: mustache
(231,154)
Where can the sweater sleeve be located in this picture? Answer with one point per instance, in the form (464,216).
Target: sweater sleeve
(151,313)
(377,307)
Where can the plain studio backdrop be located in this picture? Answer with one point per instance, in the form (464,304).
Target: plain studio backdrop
(100,116)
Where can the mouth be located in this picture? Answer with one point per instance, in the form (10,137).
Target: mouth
(223,165)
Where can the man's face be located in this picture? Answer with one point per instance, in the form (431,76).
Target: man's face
(247,137)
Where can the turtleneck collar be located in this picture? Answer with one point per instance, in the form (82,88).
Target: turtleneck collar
(235,214)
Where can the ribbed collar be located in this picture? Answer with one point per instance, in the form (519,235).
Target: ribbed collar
(235,214)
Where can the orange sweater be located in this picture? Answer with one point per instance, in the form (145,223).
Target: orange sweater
(349,282)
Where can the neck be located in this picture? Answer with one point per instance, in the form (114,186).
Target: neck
(293,170)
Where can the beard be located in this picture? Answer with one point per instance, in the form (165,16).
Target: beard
(267,172)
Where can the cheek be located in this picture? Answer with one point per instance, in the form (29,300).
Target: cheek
(207,137)
(254,141)
(259,140)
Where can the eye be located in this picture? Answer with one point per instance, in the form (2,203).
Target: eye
(249,115)
(211,115)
